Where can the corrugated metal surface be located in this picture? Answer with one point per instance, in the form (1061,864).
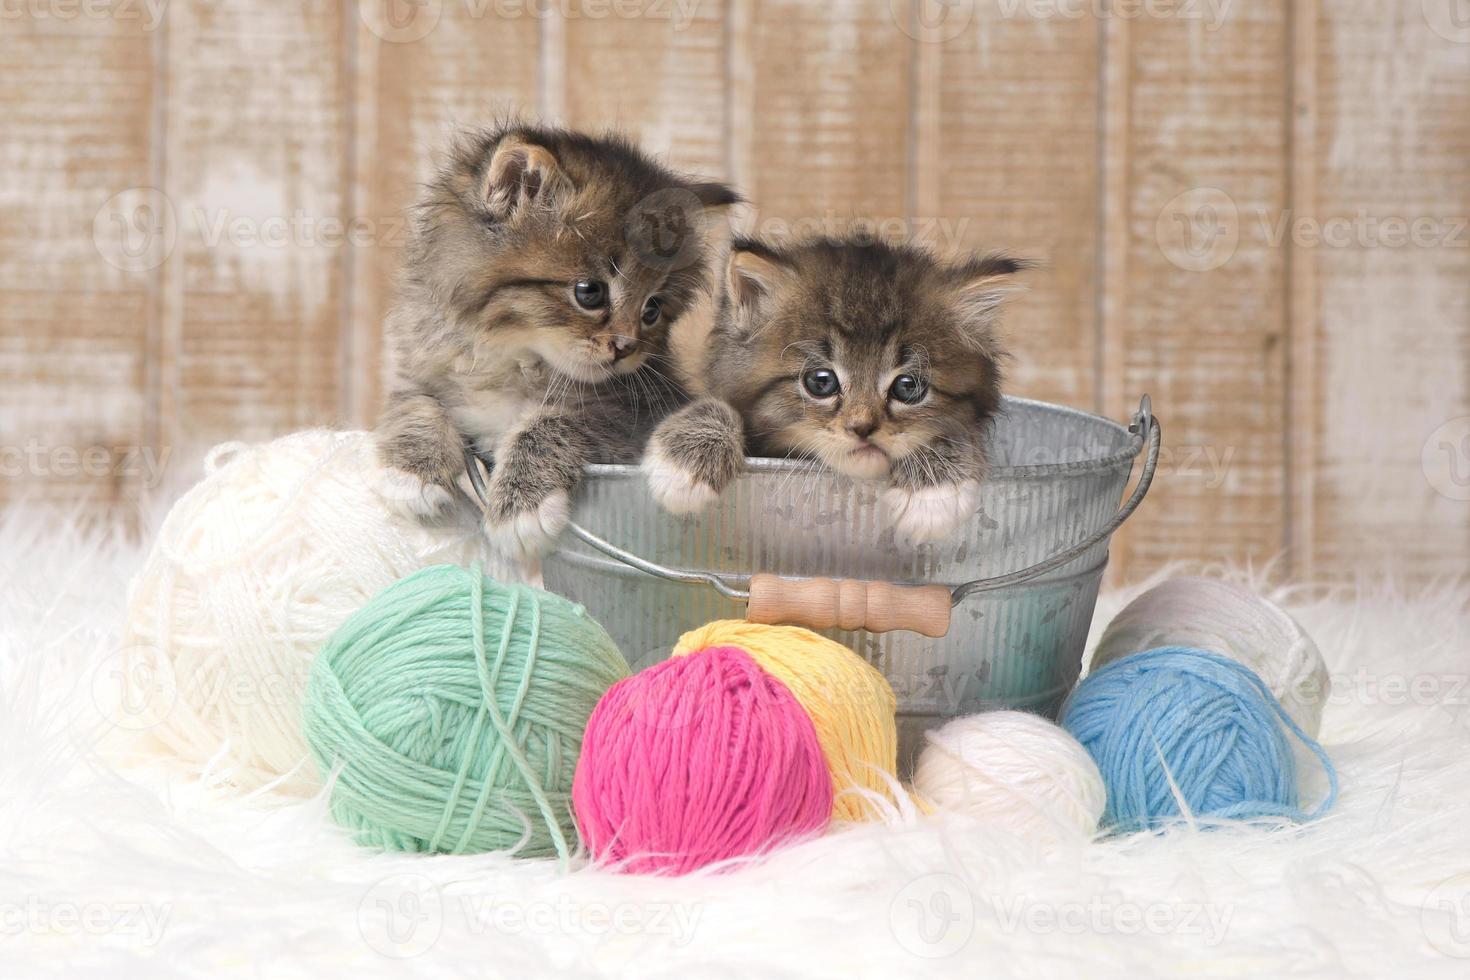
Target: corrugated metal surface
(1059,476)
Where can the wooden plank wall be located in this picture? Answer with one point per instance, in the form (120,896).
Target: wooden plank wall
(204,206)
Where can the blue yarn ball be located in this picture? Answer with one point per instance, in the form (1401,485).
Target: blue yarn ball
(1177,723)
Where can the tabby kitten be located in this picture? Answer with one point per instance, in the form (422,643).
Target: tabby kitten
(879,360)
(544,271)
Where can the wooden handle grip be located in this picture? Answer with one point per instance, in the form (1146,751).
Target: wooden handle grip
(849,604)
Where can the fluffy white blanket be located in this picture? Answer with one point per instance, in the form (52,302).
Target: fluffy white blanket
(121,870)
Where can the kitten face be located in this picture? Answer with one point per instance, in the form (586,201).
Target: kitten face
(858,354)
(578,249)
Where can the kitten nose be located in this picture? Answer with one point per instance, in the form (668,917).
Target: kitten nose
(862,427)
(622,346)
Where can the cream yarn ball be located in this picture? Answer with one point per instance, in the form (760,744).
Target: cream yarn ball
(253,569)
(1235,622)
(1016,770)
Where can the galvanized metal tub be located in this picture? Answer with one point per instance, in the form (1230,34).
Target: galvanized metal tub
(1024,574)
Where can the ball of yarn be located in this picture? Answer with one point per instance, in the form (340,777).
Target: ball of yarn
(695,760)
(850,704)
(251,572)
(1015,770)
(1176,731)
(1227,619)
(451,708)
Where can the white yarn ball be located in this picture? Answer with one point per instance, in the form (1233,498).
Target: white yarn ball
(1234,622)
(1017,770)
(254,568)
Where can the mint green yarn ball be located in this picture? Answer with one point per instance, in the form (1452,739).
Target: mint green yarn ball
(452,707)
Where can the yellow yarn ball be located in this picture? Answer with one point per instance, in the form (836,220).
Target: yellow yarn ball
(850,703)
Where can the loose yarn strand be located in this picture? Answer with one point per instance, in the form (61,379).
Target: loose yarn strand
(461,776)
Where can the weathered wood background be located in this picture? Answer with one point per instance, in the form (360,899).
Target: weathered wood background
(1252,209)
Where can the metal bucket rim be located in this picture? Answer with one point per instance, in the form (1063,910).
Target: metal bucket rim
(764,464)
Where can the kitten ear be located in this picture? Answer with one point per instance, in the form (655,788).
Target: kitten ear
(519,174)
(752,276)
(982,286)
(716,197)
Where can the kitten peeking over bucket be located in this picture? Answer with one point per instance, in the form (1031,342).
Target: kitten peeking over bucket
(544,272)
(879,360)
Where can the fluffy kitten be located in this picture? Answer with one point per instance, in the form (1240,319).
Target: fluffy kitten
(877,359)
(531,323)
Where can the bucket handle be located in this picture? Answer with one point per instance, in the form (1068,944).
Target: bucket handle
(878,607)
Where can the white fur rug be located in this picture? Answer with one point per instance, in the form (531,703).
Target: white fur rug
(133,872)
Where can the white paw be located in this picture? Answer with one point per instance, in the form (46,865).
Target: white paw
(931,513)
(406,494)
(531,533)
(674,488)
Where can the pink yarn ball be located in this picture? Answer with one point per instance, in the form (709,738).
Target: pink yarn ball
(695,760)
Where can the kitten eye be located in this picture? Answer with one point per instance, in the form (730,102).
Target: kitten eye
(652,310)
(590,294)
(821,382)
(908,389)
